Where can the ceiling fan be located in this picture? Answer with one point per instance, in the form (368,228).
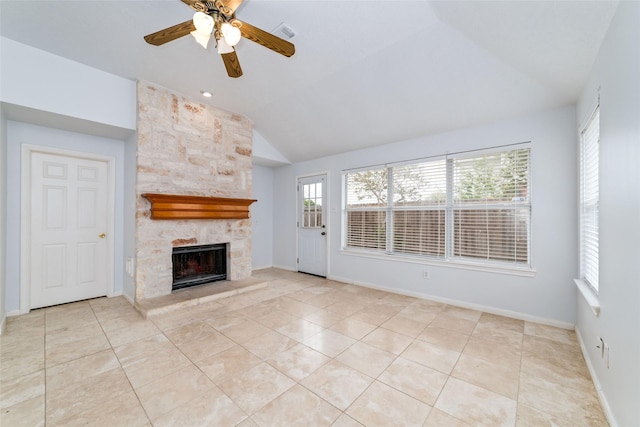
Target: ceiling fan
(218,18)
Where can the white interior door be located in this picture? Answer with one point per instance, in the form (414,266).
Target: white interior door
(312,231)
(69,219)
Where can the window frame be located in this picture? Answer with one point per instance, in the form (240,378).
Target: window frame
(449,207)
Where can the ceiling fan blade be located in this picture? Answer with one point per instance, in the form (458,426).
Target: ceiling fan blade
(267,40)
(169,34)
(232,64)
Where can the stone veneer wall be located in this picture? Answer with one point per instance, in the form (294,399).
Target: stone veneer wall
(185,147)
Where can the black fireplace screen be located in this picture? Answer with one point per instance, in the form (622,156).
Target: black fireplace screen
(196,265)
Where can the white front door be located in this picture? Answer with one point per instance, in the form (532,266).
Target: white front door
(312,231)
(68,226)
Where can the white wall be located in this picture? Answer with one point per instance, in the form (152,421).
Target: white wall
(262,218)
(45,82)
(549,296)
(19,134)
(3,222)
(265,154)
(616,74)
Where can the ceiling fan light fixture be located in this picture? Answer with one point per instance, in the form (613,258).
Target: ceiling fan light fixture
(204,27)
(223,46)
(202,39)
(203,22)
(230,33)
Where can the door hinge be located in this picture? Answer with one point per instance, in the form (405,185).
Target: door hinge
(297,260)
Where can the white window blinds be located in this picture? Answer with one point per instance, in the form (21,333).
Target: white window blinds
(366,202)
(491,206)
(589,200)
(474,206)
(418,209)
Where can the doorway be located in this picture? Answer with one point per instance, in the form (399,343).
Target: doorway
(312,220)
(67,222)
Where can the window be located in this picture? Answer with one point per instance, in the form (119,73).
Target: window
(464,207)
(589,200)
(418,208)
(312,209)
(491,206)
(367,209)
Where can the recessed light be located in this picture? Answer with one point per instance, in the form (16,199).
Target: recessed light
(206,94)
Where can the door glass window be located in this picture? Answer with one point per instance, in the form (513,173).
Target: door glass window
(312,205)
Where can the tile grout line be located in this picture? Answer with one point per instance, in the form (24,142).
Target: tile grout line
(44,362)
(120,363)
(243,310)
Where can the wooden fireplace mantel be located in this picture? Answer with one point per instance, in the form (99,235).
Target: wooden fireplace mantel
(172,206)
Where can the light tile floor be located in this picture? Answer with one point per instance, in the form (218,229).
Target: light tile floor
(303,351)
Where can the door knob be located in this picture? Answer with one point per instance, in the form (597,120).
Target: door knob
(323,233)
(101,235)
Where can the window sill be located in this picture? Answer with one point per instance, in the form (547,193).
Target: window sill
(459,264)
(589,295)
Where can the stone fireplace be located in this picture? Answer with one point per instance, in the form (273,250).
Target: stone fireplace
(188,148)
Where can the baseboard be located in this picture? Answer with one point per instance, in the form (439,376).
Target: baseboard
(262,267)
(601,396)
(282,267)
(128,298)
(15,313)
(463,304)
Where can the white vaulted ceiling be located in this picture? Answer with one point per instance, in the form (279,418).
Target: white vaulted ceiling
(364,73)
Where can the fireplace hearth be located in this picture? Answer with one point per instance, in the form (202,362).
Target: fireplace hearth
(197,265)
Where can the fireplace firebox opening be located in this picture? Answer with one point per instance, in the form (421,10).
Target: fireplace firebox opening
(197,265)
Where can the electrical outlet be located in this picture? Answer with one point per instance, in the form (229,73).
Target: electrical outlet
(425,274)
(606,355)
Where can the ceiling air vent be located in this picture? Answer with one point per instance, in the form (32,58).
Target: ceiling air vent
(284,31)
